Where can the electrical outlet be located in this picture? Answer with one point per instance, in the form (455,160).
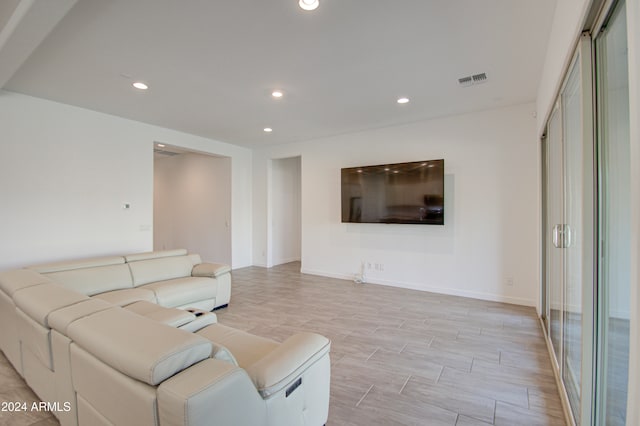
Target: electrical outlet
(510,282)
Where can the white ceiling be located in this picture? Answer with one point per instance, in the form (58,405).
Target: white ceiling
(211,64)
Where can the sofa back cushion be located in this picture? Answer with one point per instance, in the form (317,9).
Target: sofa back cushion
(89,276)
(160,269)
(137,346)
(39,301)
(17,279)
(61,319)
(155,255)
(96,280)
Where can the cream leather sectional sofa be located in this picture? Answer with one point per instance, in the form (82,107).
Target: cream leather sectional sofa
(130,340)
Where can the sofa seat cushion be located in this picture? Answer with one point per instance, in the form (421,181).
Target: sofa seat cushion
(169,316)
(127,296)
(17,279)
(246,348)
(137,346)
(41,300)
(183,291)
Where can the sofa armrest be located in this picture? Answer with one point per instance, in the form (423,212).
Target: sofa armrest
(289,360)
(222,353)
(211,391)
(211,270)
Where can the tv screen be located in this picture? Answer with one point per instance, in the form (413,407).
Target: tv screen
(394,193)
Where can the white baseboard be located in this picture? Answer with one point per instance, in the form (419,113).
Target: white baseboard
(287,260)
(432,289)
(279,262)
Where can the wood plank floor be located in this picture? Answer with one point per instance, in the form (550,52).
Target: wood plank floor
(14,389)
(405,357)
(398,357)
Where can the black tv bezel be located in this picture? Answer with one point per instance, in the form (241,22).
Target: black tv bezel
(390,166)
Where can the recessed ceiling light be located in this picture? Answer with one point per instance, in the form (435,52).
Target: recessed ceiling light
(403,100)
(268,129)
(277,94)
(140,85)
(309,4)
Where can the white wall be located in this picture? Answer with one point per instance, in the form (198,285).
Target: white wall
(491,201)
(192,205)
(66,171)
(285,211)
(567,24)
(7,7)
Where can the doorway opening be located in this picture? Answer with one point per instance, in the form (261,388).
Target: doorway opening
(192,202)
(285,230)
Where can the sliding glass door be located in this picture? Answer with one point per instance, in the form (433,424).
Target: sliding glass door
(586,221)
(614,218)
(569,223)
(572,239)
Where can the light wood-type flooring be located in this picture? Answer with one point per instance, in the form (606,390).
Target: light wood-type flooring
(398,357)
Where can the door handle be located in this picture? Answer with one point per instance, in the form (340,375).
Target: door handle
(561,236)
(566,236)
(555,237)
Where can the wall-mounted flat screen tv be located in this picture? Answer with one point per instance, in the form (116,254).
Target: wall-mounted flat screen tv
(394,193)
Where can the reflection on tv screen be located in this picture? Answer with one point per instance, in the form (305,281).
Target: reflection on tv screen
(394,193)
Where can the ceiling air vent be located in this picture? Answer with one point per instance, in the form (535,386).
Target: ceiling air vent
(479,78)
(465,81)
(472,79)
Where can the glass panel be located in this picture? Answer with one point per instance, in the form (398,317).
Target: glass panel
(614,226)
(554,193)
(573,237)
